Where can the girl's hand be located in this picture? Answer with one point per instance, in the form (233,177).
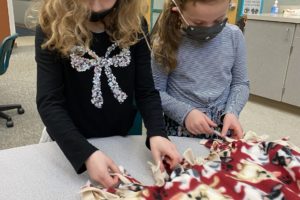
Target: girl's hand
(162,148)
(197,122)
(99,167)
(231,122)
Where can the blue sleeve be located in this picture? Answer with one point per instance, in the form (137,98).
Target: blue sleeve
(239,88)
(176,110)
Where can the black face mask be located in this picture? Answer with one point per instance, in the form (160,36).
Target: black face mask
(204,34)
(98,16)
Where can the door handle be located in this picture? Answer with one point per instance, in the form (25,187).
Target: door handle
(288,30)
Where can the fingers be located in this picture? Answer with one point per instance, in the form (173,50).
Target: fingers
(113,167)
(193,130)
(203,125)
(225,129)
(210,122)
(99,167)
(207,128)
(238,132)
(106,180)
(173,158)
(163,149)
(158,159)
(200,127)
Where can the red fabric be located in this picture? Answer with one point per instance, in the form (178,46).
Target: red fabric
(236,170)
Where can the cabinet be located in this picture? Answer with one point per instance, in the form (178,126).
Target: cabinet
(291,92)
(4,20)
(273,54)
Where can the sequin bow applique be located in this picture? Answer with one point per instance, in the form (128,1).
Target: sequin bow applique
(82,64)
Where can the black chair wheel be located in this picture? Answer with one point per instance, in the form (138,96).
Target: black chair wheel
(9,124)
(21,111)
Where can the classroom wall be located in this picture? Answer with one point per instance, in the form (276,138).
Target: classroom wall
(20,7)
(158,4)
(11,17)
(268,4)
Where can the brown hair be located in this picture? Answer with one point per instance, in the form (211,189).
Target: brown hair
(64,22)
(166,35)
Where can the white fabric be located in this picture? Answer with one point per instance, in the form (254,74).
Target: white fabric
(45,137)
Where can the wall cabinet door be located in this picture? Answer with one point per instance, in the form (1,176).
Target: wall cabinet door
(292,85)
(4,20)
(268,51)
(156,8)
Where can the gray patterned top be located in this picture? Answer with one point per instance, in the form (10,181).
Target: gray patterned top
(209,76)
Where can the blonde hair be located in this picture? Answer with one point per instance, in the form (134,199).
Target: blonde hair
(64,23)
(166,35)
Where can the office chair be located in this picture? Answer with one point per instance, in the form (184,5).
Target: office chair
(136,129)
(137,126)
(5,53)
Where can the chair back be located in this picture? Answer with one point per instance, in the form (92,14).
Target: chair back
(137,127)
(5,52)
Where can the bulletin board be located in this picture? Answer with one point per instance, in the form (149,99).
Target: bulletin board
(251,7)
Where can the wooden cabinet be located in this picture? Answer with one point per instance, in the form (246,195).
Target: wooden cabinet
(273,54)
(232,12)
(4,20)
(148,14)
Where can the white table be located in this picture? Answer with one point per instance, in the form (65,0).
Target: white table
(41,171)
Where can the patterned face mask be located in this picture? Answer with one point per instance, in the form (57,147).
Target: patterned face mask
(204,34)
(201,33)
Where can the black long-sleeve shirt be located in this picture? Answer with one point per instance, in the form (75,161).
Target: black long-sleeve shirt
(64,99)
